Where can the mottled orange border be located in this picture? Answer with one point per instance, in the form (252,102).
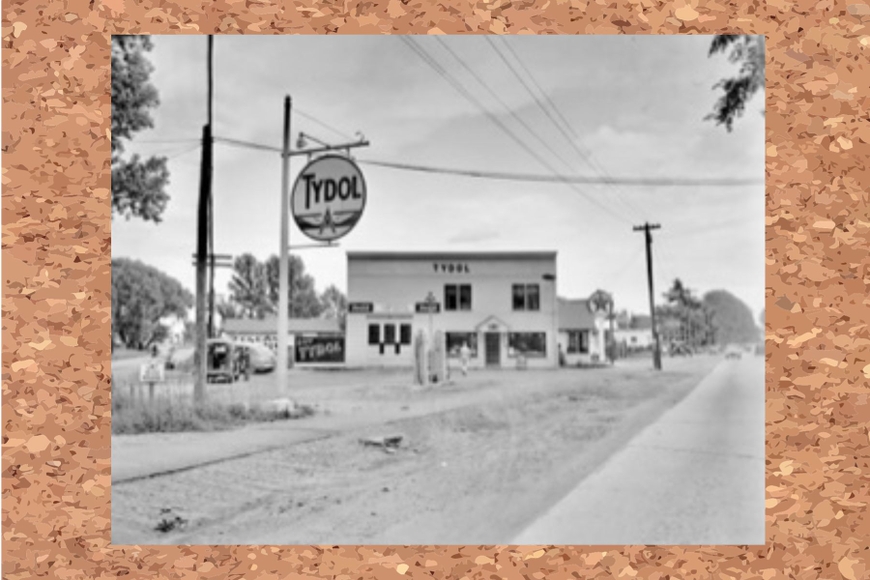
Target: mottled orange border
(56,293)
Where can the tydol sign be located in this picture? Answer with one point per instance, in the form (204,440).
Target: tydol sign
(328,198)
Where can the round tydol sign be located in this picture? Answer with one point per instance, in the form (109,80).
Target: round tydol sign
(328,198)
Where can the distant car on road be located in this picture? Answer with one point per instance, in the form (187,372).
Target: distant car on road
(733,352)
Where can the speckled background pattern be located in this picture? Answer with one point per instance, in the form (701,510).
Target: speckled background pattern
(56,288)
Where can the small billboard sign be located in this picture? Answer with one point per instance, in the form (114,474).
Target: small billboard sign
(360,308)
(427,307)
(319,349)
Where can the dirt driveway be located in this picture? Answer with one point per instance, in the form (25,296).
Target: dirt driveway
(479,461)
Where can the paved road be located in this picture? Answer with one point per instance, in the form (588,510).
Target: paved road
(696,476)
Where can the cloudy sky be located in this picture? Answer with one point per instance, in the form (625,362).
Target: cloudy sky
(634,108)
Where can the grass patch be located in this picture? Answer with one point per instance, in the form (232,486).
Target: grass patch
(132,415)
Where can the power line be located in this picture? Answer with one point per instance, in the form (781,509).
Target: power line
(494,95)
(314,119)
(530,177)
(563,179)
(585,156)
(462,90)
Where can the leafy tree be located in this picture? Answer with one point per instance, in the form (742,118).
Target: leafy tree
(732,319)
(304,301)
(142,296)
(334,304)
(748,51)
(138,185)
(693,317)
(249,288)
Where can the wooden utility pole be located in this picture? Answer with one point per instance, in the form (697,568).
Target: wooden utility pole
(657,353)
(284,258)
(202,230)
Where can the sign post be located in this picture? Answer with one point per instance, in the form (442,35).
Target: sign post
(316,185)
(152,373)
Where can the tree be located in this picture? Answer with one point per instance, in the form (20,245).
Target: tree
(138,185)
(748,50)
(249,288)
(694,320)
(334,304)
(143,296)
(732,319)
(304,301)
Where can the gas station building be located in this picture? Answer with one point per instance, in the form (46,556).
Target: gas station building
(501,304)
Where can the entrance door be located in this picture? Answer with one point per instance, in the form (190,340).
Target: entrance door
(493,342)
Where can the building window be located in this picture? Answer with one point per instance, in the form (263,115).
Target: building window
(389,334)
(405,334)
(457,297)
(526,297)
(455,340)
(374,334)
(578,341)
(530,344)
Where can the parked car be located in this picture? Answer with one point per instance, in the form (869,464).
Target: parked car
(263,360)
(227,360)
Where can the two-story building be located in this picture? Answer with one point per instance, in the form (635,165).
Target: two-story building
(502,305)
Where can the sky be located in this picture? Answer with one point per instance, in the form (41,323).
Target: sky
(634,108)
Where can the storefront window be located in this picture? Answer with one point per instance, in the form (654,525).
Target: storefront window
(578,341)
(389,334)
(405,332)
(374,334)
(455,340)
(532,344)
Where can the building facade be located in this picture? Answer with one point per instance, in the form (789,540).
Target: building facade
(582,334)
(502,305)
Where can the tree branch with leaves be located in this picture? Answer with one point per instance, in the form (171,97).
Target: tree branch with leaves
(748,51)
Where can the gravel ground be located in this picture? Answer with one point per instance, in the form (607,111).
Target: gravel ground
(473,473)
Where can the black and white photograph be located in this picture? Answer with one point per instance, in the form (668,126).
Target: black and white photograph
(438,290)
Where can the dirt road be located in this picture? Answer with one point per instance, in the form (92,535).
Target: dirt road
(473,473)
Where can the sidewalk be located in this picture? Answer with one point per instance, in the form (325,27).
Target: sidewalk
(695,476)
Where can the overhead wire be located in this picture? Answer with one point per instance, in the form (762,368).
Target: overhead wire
(507,108)
(585,156)
(562,179)
(426,57)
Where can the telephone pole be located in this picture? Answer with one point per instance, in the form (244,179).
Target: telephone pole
(657,353)
(202,250)
(283,264)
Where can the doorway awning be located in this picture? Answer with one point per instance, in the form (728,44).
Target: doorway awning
(492,324)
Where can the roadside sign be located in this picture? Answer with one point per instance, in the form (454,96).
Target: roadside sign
(152,372)
(328,198)
(319,349)
(427,307)
(360,307)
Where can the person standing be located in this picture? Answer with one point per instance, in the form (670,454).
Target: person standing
(464,354)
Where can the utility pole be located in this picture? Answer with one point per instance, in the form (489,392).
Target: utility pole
(202,319)
(283,264)
(211,333)
(657,353)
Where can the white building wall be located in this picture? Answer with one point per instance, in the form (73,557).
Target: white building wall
(394,286)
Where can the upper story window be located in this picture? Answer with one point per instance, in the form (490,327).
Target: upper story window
(457,297)
(526,297)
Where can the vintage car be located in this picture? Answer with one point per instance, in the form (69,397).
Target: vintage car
(733,351)
(227,360)
(263,360)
